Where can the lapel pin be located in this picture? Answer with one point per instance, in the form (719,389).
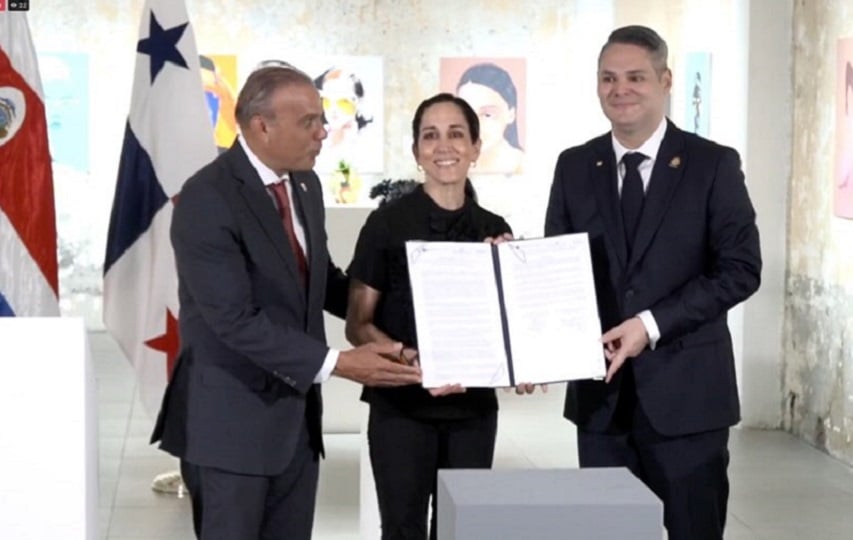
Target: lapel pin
(303,186)
(599,163)
(675,162)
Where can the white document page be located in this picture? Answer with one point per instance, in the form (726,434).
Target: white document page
(551,309)
(457,314)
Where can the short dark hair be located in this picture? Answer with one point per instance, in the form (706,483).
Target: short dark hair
(470,116)
(255,96)
(641,36)
(471,119)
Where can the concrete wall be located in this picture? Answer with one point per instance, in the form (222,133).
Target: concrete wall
(818,366)
(768,168)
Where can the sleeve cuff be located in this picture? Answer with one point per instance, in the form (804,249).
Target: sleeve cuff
(652,329)
(328,365)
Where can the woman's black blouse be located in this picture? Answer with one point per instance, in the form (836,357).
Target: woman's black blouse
(380,262)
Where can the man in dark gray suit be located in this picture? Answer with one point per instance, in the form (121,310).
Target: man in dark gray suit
(243,408)
(674,246)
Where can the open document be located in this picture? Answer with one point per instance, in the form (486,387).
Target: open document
(522,311)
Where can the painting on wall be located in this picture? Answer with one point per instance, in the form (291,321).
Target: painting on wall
(351,90)
(697,93)
(843,178)
(65,81)
(65,77)
(219,79)
(496,90)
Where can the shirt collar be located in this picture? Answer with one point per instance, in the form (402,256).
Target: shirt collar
(268,176)
(649,148)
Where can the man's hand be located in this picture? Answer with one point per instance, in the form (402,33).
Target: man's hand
(623,342)
(367,366)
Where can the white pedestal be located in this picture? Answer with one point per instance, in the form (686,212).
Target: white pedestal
(49,446)
(546,504)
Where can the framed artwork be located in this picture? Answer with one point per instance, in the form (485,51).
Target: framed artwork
(697,93)
(496,89)
(843,177)
(219,79)
(65,77)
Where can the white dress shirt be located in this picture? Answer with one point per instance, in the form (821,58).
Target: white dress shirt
(650,149)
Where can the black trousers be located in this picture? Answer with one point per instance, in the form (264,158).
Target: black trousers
(688,473)
(227,505)
(406,454)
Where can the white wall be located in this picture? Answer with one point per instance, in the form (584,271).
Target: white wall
(767,155)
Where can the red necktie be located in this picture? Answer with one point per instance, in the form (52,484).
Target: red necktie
(280,193)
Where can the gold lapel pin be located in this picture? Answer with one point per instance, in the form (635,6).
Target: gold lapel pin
(675,162)
(599,163)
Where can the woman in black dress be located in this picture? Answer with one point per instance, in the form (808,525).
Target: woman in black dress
(412,432)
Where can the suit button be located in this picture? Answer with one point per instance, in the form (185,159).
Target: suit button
(629,294)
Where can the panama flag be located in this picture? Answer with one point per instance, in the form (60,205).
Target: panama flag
(168,137)
(29,282)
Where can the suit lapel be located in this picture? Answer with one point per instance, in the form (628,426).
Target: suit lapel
(261,206)
(605,182)
(666,174)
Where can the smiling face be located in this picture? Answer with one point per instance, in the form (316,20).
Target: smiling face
(494,112)
(444,146)
(632,93)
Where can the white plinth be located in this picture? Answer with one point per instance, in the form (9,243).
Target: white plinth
(49,441)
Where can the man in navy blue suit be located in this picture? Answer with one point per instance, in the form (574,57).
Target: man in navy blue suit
(674,246)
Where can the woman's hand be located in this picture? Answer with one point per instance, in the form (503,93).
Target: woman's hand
(527,388)
(411,356)
(447,390)
(505,237)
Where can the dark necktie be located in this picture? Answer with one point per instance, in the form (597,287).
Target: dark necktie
(632,195)
(284,211)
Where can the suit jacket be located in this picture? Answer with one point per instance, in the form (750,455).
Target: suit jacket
(252,338)
(696,254)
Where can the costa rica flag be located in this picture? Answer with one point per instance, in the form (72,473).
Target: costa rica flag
(29,279)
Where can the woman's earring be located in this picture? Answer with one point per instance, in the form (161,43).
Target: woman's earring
(473,164)
(420,169)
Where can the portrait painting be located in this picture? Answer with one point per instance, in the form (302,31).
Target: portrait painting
(697,93)
(352,97)
(219,79)
(496,90)
(65,77)
(843,178)
(351,92)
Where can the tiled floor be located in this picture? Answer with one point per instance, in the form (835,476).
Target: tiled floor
(782,489)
